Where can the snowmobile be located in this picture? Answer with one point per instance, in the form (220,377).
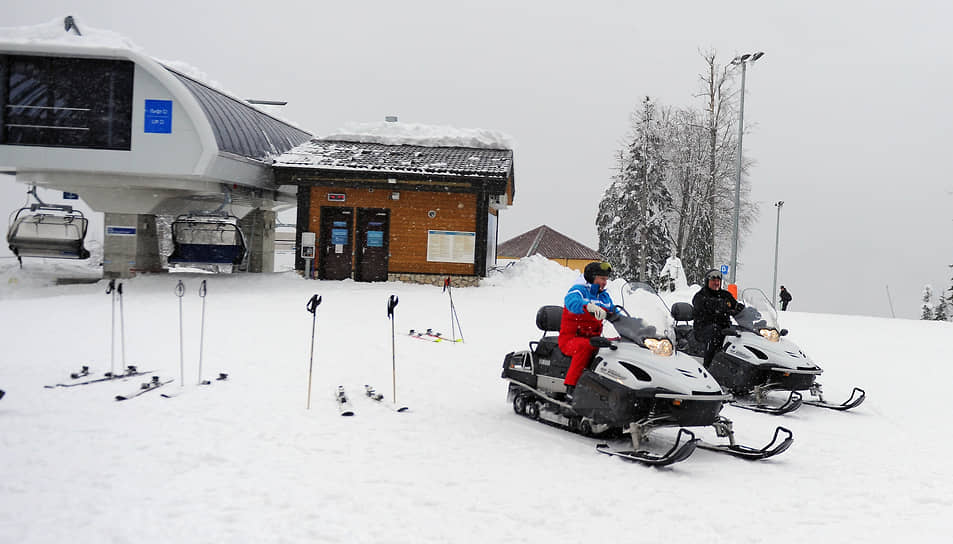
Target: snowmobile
(635,384)
(756,360)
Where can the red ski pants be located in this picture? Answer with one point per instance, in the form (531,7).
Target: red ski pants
(581,351)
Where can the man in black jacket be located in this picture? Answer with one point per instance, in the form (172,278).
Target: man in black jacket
(713,308)
(785,298)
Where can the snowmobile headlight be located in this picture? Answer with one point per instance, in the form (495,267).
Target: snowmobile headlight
(770,334)
(659,347)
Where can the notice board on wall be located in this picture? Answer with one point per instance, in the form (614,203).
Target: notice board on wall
(444,246)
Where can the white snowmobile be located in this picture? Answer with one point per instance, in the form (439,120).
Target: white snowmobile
(635,384)
(757,360)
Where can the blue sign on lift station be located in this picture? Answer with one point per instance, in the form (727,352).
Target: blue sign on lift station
(158,116)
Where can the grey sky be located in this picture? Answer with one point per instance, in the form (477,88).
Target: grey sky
(850,107)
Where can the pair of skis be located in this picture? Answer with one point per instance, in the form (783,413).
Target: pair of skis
(344,404)
(145,387)
(431,336)
(130,371)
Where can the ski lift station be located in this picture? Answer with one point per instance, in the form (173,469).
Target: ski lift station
(88,113)
(136,139)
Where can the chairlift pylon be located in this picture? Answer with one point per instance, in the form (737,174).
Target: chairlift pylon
(47,230)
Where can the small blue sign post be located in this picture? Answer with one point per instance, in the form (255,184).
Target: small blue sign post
(724,269)
(158,117)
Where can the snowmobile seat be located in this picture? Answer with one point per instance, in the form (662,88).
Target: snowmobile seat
(546,346)
(683,312)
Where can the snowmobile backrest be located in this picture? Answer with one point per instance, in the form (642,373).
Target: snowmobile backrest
(683,311)
(549,318)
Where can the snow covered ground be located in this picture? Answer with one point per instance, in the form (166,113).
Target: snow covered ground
(244,461)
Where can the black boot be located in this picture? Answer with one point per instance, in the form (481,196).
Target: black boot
(570,389)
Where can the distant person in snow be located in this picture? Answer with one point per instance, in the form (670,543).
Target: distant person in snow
(785,298)
(586,304)
(713,308)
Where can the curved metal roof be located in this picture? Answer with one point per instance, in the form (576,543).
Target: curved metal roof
(240,128)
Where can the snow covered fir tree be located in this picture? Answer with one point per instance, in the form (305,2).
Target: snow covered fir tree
(673,192)
(631,222)
(938,310)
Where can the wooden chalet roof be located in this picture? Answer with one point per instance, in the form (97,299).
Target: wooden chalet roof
(546,242)
(375,157)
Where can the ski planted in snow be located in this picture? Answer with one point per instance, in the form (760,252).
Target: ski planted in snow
(131,371)
(344,405)
(374,395)
(150,385)
(423,336)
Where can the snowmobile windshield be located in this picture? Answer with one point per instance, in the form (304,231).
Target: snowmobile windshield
(758,313)
(649,316)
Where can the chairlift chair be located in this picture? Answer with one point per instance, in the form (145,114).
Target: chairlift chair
(207,239)
(48,230)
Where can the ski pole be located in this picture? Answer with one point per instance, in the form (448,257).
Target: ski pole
(312,307)
(454,319)
(122,326)
(111,290)
(179,292)
(202,291)
(391,304)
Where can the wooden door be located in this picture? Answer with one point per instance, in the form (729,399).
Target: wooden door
(336,244)
(373,239)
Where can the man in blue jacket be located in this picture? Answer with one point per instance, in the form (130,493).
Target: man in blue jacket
(586,304)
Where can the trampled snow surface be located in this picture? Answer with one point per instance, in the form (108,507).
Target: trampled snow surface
(244,460)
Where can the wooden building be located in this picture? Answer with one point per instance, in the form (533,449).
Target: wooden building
(398,212)
(550,244)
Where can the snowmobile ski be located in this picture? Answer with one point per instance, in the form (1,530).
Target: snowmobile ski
(344,406)
(678,452)
(374,395)
(130,372)
(422,336)
(746,452)
(851,402)
(793,403)
(84,371)
(155,383)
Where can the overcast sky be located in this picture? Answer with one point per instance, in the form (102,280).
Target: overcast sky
(850,107)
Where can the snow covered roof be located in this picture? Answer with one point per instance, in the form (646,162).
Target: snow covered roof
(322,154)
(547,242)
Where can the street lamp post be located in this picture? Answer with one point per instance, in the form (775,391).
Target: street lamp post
(743,60)
(777,238)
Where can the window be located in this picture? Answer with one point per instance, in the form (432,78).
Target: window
(66,102)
